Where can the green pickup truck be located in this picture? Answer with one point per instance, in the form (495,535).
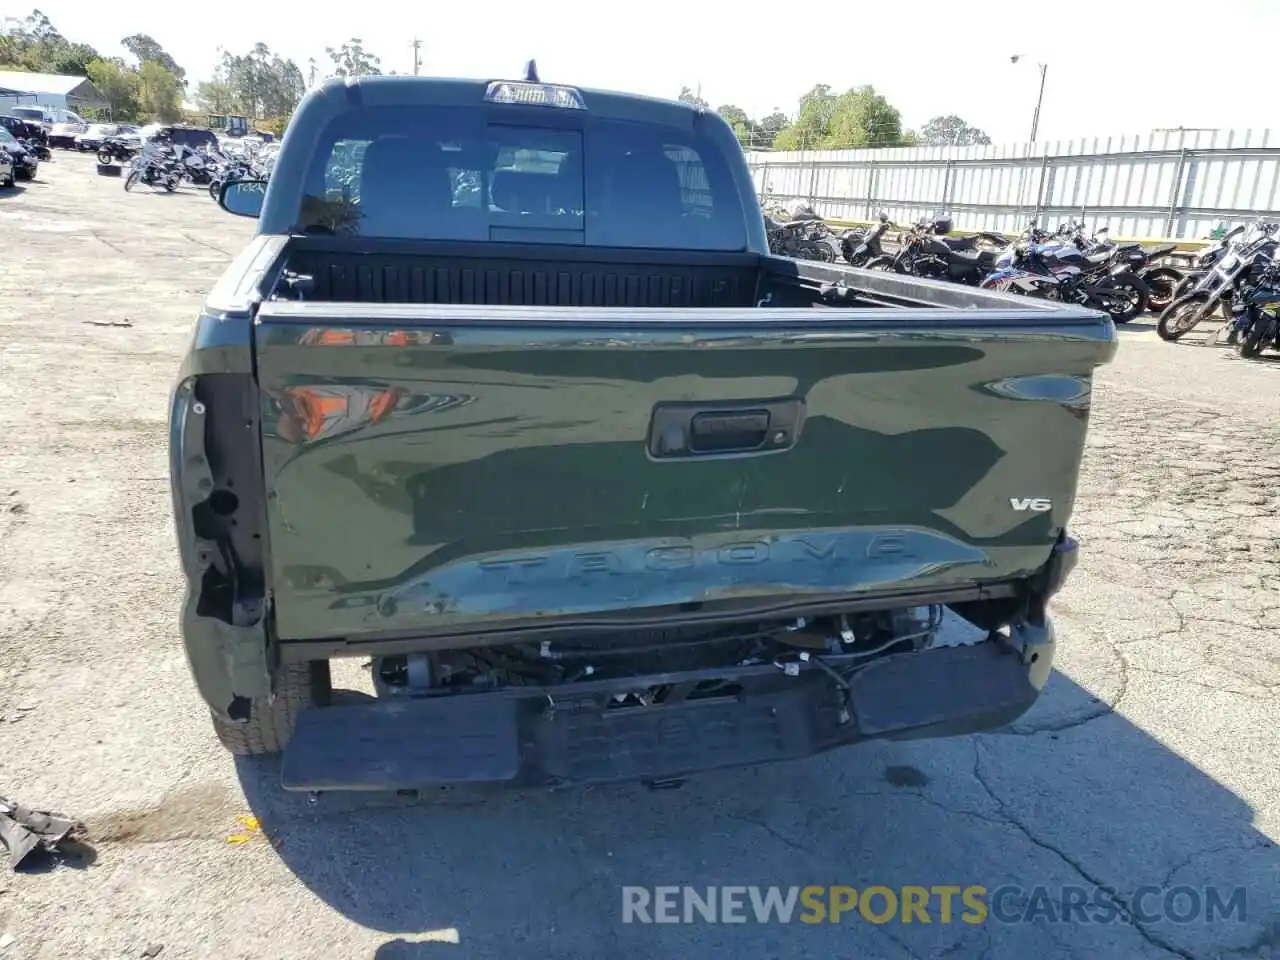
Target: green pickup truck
(508,398)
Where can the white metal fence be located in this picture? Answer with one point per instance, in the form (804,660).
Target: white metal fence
(1176,184)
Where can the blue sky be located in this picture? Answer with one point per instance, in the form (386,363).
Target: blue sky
(1113,68)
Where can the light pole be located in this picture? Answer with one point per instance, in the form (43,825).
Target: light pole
(1035,117)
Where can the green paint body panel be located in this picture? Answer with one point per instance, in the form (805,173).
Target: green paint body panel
(513,478)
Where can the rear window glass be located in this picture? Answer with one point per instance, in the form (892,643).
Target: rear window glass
(453,174)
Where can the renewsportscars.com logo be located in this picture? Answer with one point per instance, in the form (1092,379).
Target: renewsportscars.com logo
(811,904)
(940,903)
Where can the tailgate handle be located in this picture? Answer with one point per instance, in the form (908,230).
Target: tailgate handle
(682,430)
(718,431)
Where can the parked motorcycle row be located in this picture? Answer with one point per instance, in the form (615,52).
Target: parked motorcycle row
(168,166)
(1094,271)
(1066,264)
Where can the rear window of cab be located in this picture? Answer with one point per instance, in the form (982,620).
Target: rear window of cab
(452,173)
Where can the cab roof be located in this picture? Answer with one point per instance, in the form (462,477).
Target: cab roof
(383,91)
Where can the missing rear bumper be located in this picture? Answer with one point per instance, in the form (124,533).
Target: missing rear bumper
(530,737)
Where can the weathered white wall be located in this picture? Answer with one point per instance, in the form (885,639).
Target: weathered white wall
(1176,184)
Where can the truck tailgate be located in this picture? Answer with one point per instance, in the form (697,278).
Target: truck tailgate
(438,467)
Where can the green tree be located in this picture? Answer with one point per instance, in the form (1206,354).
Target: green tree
(159,92)
(951,131)
(40,27)
(688,96)
(152,89)
(859,117)
(754,135)
(351,59)
(769,128)
(733,115)
(863,118)
(260,83)
(35,44)
(813,121)
(71,59)
(216,96)
(744,127)
(146,48)
(120,86)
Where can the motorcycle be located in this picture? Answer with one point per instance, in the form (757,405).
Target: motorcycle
(115,149)
(198,167)
(1206,259)
(1054,270)
(1117,267)
(1161,279)
(926,251)
(858,247)
(1255,322)
(1164,282)
(229,172)
(803,239)
(157,170)
(228,169)
(1243,261)
(1106,266)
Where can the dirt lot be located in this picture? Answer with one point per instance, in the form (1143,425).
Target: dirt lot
(1152,761)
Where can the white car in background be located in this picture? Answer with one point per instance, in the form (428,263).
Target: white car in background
(64,134)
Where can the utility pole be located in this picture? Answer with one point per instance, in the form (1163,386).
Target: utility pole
(1035,117)
(417,60)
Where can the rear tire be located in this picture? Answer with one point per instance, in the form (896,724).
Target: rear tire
(1162,282)
(850,243)
(1173,324)
(824,252)
(271,719)
(132,180)
(1260,331)
(104,156)
(883,263)
(1135,291)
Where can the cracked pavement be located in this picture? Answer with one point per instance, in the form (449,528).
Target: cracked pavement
(1151,762)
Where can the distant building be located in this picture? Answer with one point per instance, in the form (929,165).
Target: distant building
(48,90)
